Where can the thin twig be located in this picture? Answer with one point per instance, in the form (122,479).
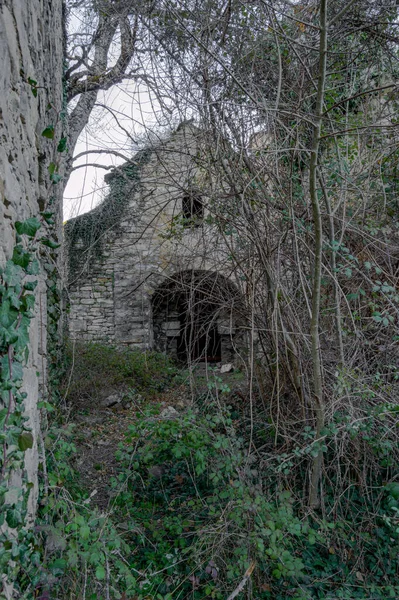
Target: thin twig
(244,581)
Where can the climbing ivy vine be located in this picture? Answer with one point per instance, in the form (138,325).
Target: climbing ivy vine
(17,285)
(18,281)
(85,234)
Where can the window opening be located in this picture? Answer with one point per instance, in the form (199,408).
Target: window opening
(193,210)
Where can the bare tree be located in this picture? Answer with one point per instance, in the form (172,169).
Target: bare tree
(282,88)
(296,100)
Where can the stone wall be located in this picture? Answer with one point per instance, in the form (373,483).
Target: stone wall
(31,48)
(136,240)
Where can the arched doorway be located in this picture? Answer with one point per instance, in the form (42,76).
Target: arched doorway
(195,316)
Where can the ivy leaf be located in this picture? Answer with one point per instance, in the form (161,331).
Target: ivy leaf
(100,572)
(55,178)
(33,86)
(29,301)
(52,168)
(21,257)
(47,216)
(12,274)
(30,285)
(62,145)
(17,371)
(22,340)
(15,301)
(3,416)
(28,227)
(49,243)
(33,268)
(25,441)
(13,518)
(8,315)
(48,132)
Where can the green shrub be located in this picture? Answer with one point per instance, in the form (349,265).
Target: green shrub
(198,509)
(202,496)
(79,551)
(197,515)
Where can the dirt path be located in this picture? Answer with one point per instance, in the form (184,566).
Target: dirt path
(97,438)
(98,433)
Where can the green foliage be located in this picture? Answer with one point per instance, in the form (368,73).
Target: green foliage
(62,144)
(82,546)
(193,508)
(28,227)
(16,311)
(33,86)
(97,367)
(198,509)
(192,499)
(48,132)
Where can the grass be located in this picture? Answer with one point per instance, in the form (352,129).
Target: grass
(95,370)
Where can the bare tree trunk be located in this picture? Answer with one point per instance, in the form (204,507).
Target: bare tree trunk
(333,267)
(85,84)
(318,399)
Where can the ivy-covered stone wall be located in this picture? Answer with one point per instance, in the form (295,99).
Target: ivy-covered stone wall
(31,102)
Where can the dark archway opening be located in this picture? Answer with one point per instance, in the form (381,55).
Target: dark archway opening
(188,312)
(199,338)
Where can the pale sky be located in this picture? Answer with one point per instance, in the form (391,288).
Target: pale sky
(137,114)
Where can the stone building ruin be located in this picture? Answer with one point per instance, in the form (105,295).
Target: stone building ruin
(147,268)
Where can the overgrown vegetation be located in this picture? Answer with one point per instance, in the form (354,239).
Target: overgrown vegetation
(294,479)
(202,503)
(288,487)
(18,281)
(203,494)
(95,370)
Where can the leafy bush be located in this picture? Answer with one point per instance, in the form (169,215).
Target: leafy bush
(82,553)
(197,515)
(193,508)
(198,509)
(203,496)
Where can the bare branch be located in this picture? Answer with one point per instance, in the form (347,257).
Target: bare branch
(114,152)
(244,581)
(98,76)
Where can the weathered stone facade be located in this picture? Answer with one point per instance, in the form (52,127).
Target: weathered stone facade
(147,268)
(31,66)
